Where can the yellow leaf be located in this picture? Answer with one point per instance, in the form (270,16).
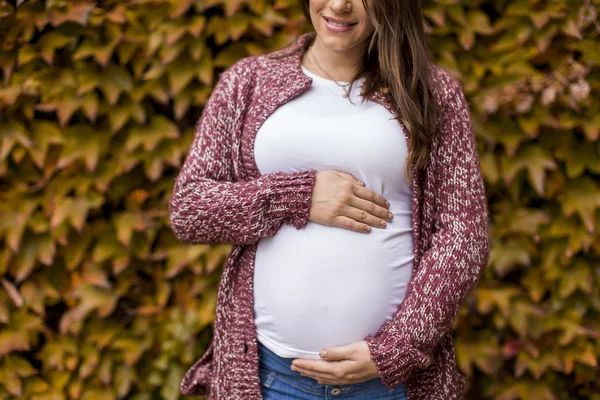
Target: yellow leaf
(582,196)
(180,73)
(196,25)
(577,276)
(238,24)
(12,292)
(44,134)
(231,6)
(115,81)
(181,7)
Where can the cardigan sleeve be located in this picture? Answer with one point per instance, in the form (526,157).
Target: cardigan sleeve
(207,206)
(452,265)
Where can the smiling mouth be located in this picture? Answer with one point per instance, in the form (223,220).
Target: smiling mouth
(340,24)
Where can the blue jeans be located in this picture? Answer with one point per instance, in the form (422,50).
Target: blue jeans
(279,382)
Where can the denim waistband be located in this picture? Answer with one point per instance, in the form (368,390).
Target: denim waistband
(281,365)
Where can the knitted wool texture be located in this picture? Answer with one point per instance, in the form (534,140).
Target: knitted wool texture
(220,197)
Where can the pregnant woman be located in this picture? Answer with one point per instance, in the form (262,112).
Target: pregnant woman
(344,170)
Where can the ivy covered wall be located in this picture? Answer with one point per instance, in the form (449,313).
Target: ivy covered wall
(98,101)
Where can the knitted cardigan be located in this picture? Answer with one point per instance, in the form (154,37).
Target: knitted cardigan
(220,197)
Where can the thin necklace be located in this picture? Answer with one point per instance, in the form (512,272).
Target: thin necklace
(344,87)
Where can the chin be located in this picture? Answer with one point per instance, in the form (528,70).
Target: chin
(333,42)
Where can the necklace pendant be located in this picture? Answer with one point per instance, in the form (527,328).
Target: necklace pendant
(345,95)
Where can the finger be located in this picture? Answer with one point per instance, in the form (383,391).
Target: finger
(345,222)
(338,353)
(315,374)
(371,196)
(351,178)
(320,366)
(326,378)
(371,208)
(360,215)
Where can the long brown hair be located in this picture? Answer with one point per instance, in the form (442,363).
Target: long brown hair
(398,58)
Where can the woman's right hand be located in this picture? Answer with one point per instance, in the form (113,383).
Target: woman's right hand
(339,199)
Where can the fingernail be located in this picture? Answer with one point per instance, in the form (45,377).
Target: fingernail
(323,354)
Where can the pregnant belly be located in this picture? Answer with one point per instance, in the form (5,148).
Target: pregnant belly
(327,286)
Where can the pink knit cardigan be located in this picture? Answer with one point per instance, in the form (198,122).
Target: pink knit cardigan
(220,197)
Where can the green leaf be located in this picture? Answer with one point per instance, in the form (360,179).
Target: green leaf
(537,366)
(196,26)
(126,109)
(511,254)
(181,256)
(232,6)
(180,73)
(169,390)
(536,284)
(582,196)
(590,49)
(90,359)
(578,239)
(108,247)
(206,69)
(500,297)
(228,56)
(51,41)
(115,80)
(34,248)
(82,143)
(126,223)
(124,379)
(523,220)
(578,156)
(173,32)
(180,7)
(12,132)
(44,134)
(159,128)
(98,394)
(592,128)
(36,292)
(132,348)
(490,167)
(484,353)
(18,334)
(522,316)
(535,159)
(238,25)
(578,276)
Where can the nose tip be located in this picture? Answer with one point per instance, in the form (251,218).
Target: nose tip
(341,5)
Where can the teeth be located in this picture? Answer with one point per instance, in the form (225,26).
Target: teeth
(337,23)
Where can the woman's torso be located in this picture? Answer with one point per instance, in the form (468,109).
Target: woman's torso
(326,286)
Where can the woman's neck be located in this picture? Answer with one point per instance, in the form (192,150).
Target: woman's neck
(340,65)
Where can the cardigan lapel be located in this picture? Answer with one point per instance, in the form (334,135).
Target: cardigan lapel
(282,81)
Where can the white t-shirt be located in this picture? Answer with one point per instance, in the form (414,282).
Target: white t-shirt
(324,286)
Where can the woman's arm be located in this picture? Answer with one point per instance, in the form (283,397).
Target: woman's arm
(206,206)
(452,265)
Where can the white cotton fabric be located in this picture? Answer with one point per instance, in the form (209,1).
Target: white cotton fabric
(324,286)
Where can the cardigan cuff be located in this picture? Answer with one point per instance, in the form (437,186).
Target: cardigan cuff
(291,196)
(395,360)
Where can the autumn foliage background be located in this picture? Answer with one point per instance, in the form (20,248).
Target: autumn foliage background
(98,101)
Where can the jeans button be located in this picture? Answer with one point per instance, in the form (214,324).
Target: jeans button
(336,391)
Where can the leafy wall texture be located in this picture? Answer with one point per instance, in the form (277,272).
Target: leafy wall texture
(98,101)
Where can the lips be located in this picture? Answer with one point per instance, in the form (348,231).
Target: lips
(339,22)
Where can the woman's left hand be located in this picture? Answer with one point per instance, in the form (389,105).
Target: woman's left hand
(342,365)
